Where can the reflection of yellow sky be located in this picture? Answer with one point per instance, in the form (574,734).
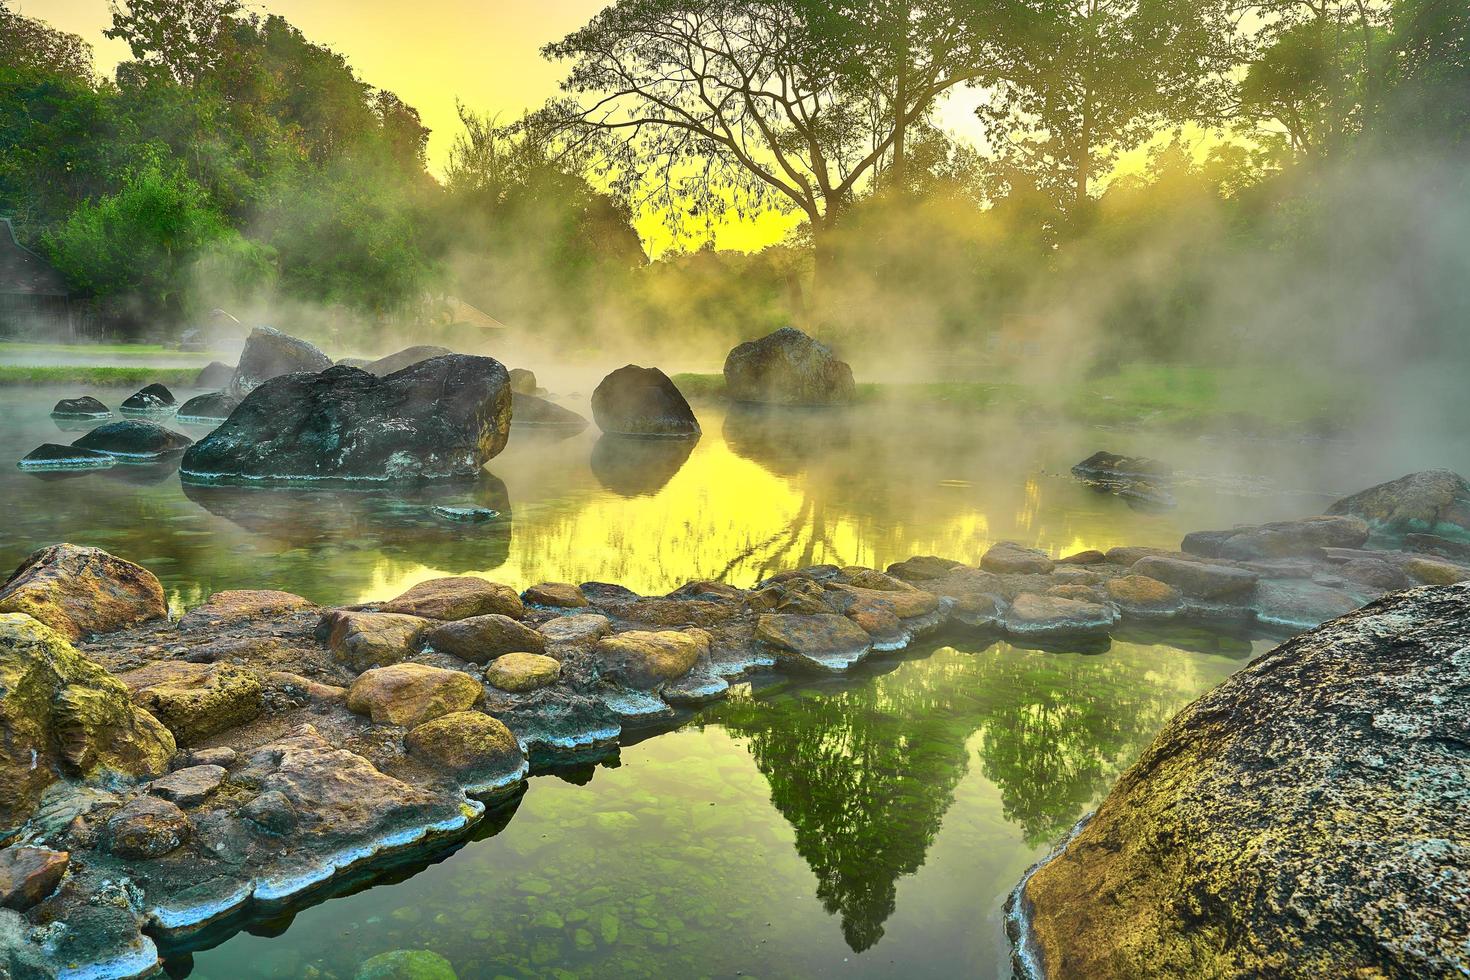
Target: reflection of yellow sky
(721,506)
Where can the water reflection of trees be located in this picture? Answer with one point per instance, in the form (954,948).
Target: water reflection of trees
(864,772)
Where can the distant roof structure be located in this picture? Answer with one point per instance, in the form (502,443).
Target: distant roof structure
(23,271)
(462,312)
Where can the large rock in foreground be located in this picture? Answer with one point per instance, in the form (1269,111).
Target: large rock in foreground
(444,417)
(787,368)
(1307,818)
(77,591)
(1434,501)
(640,401)
(269,354)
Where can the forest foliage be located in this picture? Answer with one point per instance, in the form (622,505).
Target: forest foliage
(232,162)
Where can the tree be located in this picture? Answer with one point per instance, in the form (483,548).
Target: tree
(1102,77)
(707,105)
(177,37)
(1315,71)
(30,45)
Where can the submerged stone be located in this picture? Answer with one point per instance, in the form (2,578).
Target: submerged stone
(440,418)
(464,515)
(639,401)
(85,407)
(787,367)
(406,964)
(1306,817)
(50,456)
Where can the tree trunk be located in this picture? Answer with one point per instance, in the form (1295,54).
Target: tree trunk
(900,130)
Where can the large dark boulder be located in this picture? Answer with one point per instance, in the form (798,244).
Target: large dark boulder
(269,354)
(445,417)
(640,401)
(1307,818)
(787,368)
(394,363)
(85,407)
(208,408)
(1432,501)
(134,439)
(154,398)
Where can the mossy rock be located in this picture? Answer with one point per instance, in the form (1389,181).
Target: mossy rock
(196,701)
(471,744)
(406,964)
(78,591)
(519,672)
(63,714)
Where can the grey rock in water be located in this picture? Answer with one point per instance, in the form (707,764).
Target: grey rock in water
(210,407)
(1140,481)
(154,398)
(1432,501)
(640,401)
(385,366)
(85,407)
(50,456)
(134,439)
(215,374)
(1281,539)
(1197,579)
(269,354)
(543,416)
(440,418)
(1306,818)
(787,367)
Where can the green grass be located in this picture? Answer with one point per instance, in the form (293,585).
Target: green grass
(84,374)
(1181,397)
(11,350)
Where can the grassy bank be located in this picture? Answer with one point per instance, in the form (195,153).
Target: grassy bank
(1179,397)
(13,350)
(98,376)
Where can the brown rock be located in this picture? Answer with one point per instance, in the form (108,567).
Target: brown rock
(558,595)
(457,598)
(1031,615)
(472,745)
(1432,571)
(196,701)
(584,629)
(411,694)
(519,672)
(367,639)
(315,690)
(923,567)
(1009,558)
(190,786)
(1089,557)
(822,642)
(1198,580)
(480,639)
(79,591)
(905,604)
(1142,595)
(29,874)
(1078,591)
(235,606)
(645,660)
(148,827)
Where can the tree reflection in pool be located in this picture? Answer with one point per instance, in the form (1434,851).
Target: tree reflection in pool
(866,826)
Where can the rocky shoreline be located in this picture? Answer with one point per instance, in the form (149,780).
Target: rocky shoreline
(163,777)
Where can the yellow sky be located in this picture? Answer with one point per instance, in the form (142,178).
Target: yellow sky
(485,53)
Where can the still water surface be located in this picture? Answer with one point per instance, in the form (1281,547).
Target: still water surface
(864,827)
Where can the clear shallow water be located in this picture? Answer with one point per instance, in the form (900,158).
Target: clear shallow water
(863,827)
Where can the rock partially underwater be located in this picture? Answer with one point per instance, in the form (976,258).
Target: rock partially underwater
(787,368)
(640,401)
(270,354)
(1432,501)
(1307,818)
(209,408)
(85,407)
(440,418)
(154,398)
(134,440)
